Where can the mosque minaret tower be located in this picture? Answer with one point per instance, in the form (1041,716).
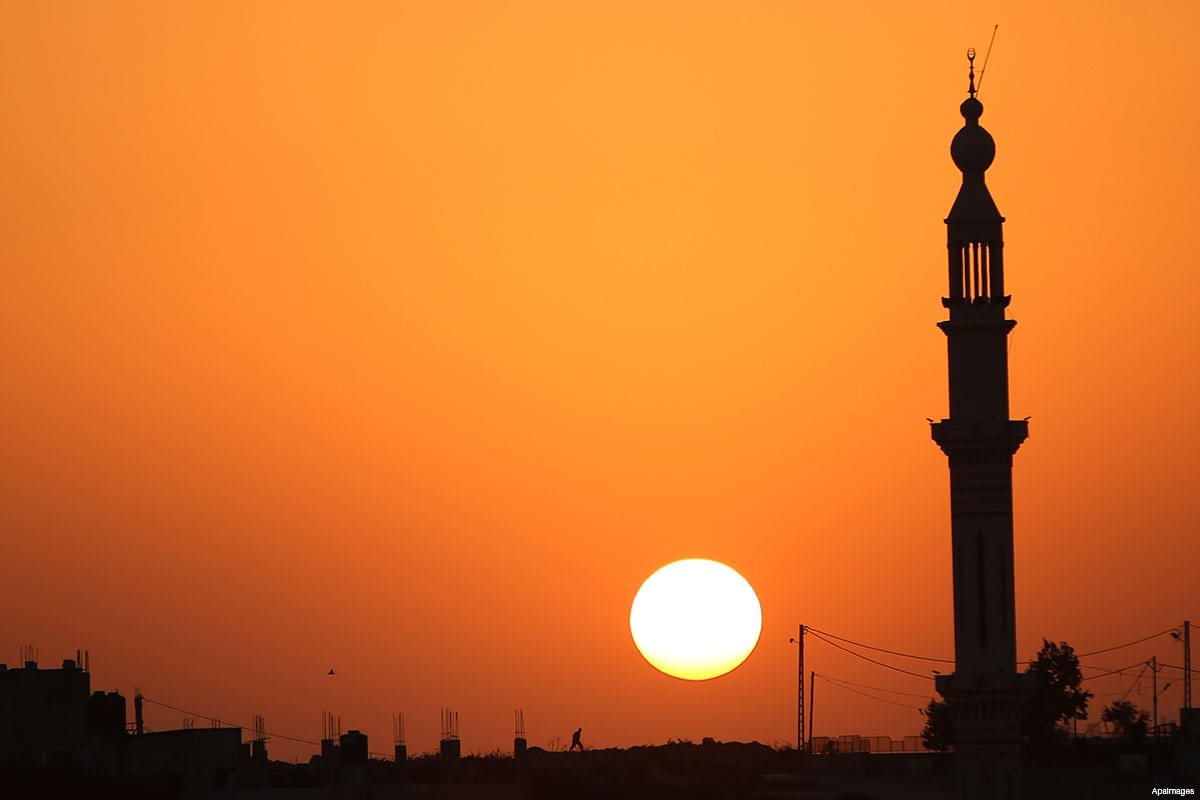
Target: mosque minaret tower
(985,693)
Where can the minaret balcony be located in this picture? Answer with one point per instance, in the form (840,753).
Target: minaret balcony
(959,437)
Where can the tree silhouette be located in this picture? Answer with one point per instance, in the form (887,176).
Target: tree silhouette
(1058,695)
(1127,719)
(938,734)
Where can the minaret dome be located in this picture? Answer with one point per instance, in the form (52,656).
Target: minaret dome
(973,148)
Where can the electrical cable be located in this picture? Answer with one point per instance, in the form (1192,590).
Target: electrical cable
(879,649)
(1176,666)
(867,658)
(242,727)
(1112,671)
(1136,681)
(818,631)
(1127,644)
(873,688)
(838,683)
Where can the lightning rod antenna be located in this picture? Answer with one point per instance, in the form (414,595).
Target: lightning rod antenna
(979,85)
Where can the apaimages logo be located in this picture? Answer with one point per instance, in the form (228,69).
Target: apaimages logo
(1171,791)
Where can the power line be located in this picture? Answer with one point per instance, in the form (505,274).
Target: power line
(867,658)
(215,719)
(874,688)
(951,661)
(1176,666)
(1127,644)
(242,727)
(839,684)
(1136,681)
(1112,671)
(880,649)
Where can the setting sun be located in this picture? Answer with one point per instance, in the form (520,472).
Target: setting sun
(695,619)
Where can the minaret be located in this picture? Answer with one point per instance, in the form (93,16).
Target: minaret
(985,693)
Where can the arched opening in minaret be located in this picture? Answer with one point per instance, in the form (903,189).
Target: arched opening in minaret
(971,273)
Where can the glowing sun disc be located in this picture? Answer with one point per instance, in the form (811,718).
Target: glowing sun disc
(695,619)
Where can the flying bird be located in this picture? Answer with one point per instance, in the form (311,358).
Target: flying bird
(330,671)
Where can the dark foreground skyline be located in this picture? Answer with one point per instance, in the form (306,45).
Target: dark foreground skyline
(409,340)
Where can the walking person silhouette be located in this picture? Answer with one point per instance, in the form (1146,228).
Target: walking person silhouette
(575,741)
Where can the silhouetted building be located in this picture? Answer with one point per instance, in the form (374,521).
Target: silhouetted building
(331,760)
(985,693)
(450,746)
(43,715)
(520,743)
(1189,723)
(107,732)
(106,715)
(400,771)
(354,748)
(206,758)
(354,754)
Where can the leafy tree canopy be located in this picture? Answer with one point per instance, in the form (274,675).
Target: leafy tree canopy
(938,734)
(1127,719)
(1059,695)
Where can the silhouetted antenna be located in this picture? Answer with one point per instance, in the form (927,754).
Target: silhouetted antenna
(449,724)
(398,728)
(520,715)
(329,725)
(986,56)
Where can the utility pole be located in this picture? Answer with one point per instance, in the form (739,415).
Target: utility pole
(1187,664)
(799,641)
(812,686)
(1154,690)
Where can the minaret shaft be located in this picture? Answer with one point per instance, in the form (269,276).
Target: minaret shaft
(986,694)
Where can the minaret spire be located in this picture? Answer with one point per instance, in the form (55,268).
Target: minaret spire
(986,694)
(971,61)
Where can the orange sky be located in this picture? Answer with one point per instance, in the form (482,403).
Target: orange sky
(410,339)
